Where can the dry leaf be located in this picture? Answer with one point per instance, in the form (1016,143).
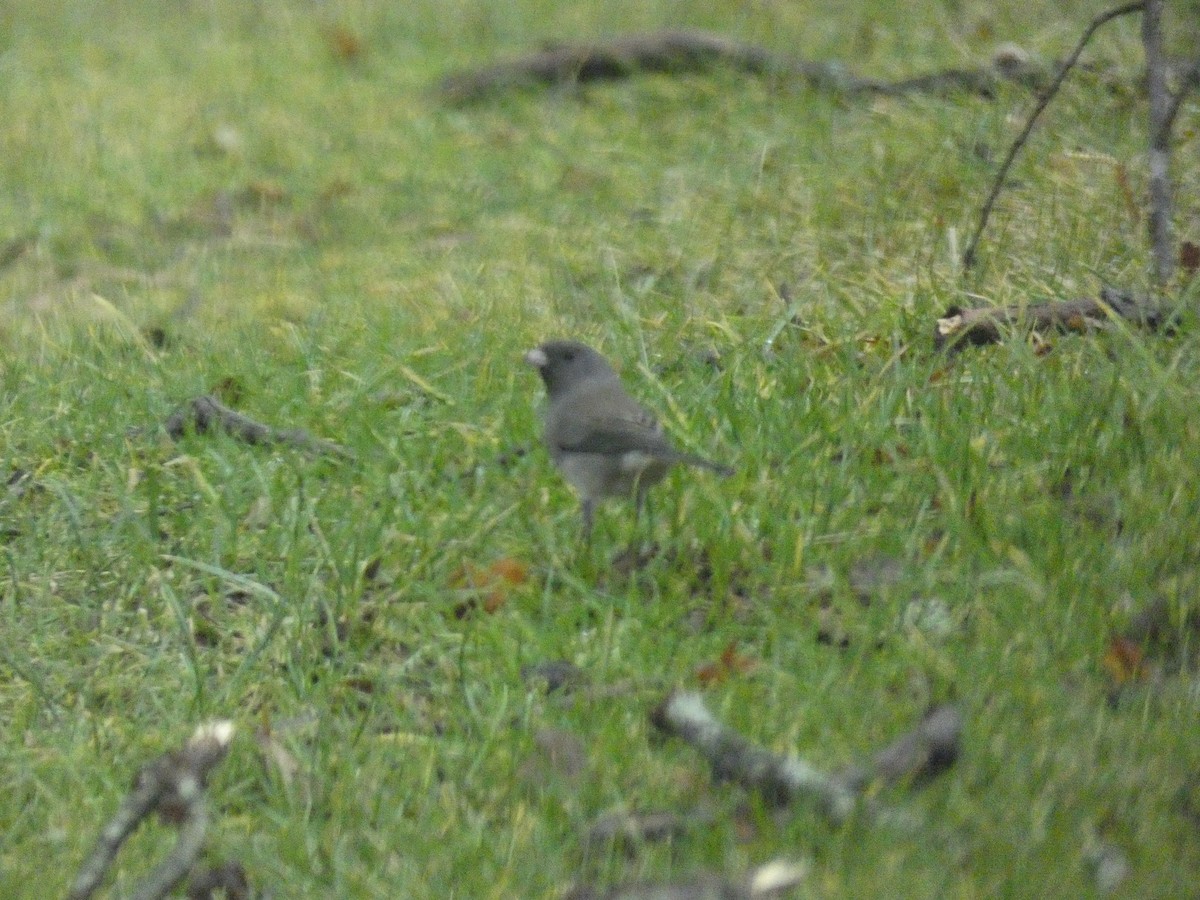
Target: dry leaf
(494,584)
(1189,257)
(1124,660)
(344,43)
(729,663)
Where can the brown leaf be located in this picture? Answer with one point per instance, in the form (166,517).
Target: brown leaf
(1189,257)
(345,44)
(729,663)
(492,585)
(1124,660)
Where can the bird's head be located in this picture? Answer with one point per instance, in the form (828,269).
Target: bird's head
(564,364)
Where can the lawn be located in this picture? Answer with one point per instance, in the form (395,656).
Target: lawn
(271,203)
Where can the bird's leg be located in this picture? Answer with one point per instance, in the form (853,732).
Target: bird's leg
(589,509)
(639,500)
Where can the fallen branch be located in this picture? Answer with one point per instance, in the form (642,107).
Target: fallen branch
(1044,99)
(681,51)
(173,786)
(921,754)
(773,879)
(206,412)
(986,325)
(783,781)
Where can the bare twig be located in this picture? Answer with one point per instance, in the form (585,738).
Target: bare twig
(781,781)
(205,412)
(1043,101)
(1189,80)
(173,785)
(959,328)
(1160,145)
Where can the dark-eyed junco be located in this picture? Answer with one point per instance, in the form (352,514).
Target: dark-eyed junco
(604,442)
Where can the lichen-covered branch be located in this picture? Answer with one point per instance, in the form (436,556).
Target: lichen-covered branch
(780,780)
(986,325)
(173,786)
(784,780)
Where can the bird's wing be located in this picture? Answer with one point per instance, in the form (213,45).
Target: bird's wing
(612,437)
(612,425)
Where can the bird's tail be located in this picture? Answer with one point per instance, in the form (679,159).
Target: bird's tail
(691,459)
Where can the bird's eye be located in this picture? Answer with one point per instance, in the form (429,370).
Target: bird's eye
(569,355)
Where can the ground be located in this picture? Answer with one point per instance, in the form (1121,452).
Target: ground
(271,203)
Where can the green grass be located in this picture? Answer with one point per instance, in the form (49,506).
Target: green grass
(323,242)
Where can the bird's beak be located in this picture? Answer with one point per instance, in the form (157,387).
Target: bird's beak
(537,358)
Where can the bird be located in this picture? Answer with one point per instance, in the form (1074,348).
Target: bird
(604,442)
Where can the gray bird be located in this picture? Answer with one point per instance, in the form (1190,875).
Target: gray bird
(604,442)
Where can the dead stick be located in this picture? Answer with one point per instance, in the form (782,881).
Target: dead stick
(780,780)
(920,754)
(205,412)
(959,328)
(182,857)
(173,785)
(137,805)
(689,50)
(660,51)
(1043,102)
